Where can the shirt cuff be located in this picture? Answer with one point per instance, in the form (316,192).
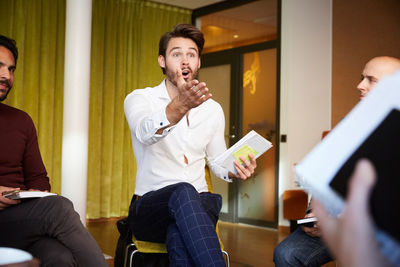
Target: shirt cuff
(225,177)
(160,121)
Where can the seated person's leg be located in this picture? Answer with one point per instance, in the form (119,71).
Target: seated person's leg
(179,204)
(300,249)
(177,252)
(53,217)
(50,252)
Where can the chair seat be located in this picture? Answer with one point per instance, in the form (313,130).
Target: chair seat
(149,247)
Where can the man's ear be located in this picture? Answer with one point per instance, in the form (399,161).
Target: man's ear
(161,61)
(199,63)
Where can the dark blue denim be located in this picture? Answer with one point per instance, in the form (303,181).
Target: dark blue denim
(300,249)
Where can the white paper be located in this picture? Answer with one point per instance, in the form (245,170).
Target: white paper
(252,140)
(29,194)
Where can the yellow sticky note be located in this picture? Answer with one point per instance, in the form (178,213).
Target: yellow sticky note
(244,151)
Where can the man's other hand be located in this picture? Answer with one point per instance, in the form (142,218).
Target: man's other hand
(6,202)
(314,231)
(246,169)
(351,236)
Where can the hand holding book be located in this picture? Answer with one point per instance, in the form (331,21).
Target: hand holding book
(21,194)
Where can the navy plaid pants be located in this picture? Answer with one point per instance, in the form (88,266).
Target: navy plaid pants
(183,219)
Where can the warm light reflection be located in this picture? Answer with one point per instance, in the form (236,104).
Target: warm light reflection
(250,76)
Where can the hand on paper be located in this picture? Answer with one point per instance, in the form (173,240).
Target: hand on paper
(314,231)
(246,169)
(351,237)
(5,202)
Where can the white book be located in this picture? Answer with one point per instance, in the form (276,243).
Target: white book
(251,143)
(17,194)
(371,130)
(306,221)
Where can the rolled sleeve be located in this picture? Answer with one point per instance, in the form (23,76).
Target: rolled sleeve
(145,117)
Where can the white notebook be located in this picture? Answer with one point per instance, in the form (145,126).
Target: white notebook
(251,143)
(16,194)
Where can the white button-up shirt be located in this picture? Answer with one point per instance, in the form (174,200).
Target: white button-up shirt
(160,158)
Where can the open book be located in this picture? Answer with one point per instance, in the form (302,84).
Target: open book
(371,130)
(20,194)
(251,143)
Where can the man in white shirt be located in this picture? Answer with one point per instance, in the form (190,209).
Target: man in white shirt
(176,129)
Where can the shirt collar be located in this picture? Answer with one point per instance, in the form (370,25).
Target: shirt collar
(161,91)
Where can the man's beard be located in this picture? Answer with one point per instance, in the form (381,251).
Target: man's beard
(8,85)
(171,75)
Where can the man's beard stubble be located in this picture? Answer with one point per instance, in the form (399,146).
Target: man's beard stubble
(8,85)
(171,76)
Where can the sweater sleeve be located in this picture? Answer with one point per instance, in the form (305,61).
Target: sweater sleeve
(33,168)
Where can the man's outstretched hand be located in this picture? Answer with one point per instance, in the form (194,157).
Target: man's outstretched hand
(190,95)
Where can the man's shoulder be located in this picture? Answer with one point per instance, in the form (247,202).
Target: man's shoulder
(148,91)
(12,112)
(212,105)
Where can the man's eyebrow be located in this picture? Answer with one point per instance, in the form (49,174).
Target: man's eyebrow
(178,47)
(11,66)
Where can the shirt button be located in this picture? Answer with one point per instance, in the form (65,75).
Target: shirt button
(161,123)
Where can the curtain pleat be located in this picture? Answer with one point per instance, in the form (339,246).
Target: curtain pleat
(125,37)
(39,28)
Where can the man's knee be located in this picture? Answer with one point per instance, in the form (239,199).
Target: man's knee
(185,190)
(285,256)
(51,252)
(58,204)
(183,194)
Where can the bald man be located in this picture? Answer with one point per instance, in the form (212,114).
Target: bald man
(304,247)
(374,70)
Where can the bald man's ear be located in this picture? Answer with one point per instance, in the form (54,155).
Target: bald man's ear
(161,61)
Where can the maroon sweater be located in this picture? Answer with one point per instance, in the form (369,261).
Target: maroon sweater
(20,162)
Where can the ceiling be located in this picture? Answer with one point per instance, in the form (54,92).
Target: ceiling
(189,4)
(246,24)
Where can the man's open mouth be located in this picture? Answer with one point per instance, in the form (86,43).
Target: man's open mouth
(185,74)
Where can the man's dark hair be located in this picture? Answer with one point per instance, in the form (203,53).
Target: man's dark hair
(181,30)
(11,45)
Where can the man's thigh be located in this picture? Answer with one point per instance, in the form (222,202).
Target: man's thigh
(149,216)
(25,223)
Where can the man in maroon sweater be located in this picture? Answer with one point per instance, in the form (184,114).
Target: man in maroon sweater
(47,227)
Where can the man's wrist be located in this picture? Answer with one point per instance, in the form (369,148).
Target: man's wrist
(175,111)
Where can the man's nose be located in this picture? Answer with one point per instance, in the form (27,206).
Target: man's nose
(185,60)
(5,73)
(361,85)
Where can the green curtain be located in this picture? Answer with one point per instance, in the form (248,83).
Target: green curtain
(125,35)
(39,28)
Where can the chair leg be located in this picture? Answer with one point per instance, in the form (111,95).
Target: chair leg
(126,254)
(131,257)
(227,258)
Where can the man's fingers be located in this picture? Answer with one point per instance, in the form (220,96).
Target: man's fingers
(360,186)
(179,78)
(329,223)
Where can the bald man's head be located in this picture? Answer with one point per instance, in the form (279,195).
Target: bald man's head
(374,70)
